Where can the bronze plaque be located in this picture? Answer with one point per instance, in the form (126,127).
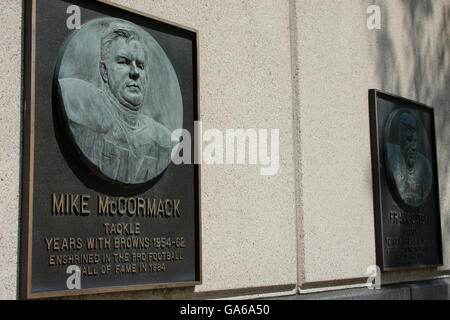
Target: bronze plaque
(405,183)
(104,208)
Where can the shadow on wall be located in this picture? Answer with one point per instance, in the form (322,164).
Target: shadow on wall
(425,50)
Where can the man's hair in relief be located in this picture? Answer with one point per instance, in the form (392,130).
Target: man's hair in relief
(407,120)
(115,31)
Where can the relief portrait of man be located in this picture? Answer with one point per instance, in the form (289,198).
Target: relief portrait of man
(409,170)
(121,100)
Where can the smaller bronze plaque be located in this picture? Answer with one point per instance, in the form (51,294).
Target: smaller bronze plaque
(405,183)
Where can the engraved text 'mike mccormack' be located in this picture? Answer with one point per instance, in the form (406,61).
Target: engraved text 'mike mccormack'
(78,205)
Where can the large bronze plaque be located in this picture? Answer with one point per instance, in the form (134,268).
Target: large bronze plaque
(405,183)
(103,206)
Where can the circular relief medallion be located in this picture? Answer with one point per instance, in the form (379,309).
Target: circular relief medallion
(119,99)
(407,158)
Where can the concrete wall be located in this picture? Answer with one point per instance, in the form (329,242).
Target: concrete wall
(10,131)
(337,59)
(303,67)
(248,220)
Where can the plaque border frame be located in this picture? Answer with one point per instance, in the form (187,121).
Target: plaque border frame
(376,183)
(27,164)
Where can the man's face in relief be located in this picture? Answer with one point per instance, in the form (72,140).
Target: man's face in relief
(408,140)
(126,72)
